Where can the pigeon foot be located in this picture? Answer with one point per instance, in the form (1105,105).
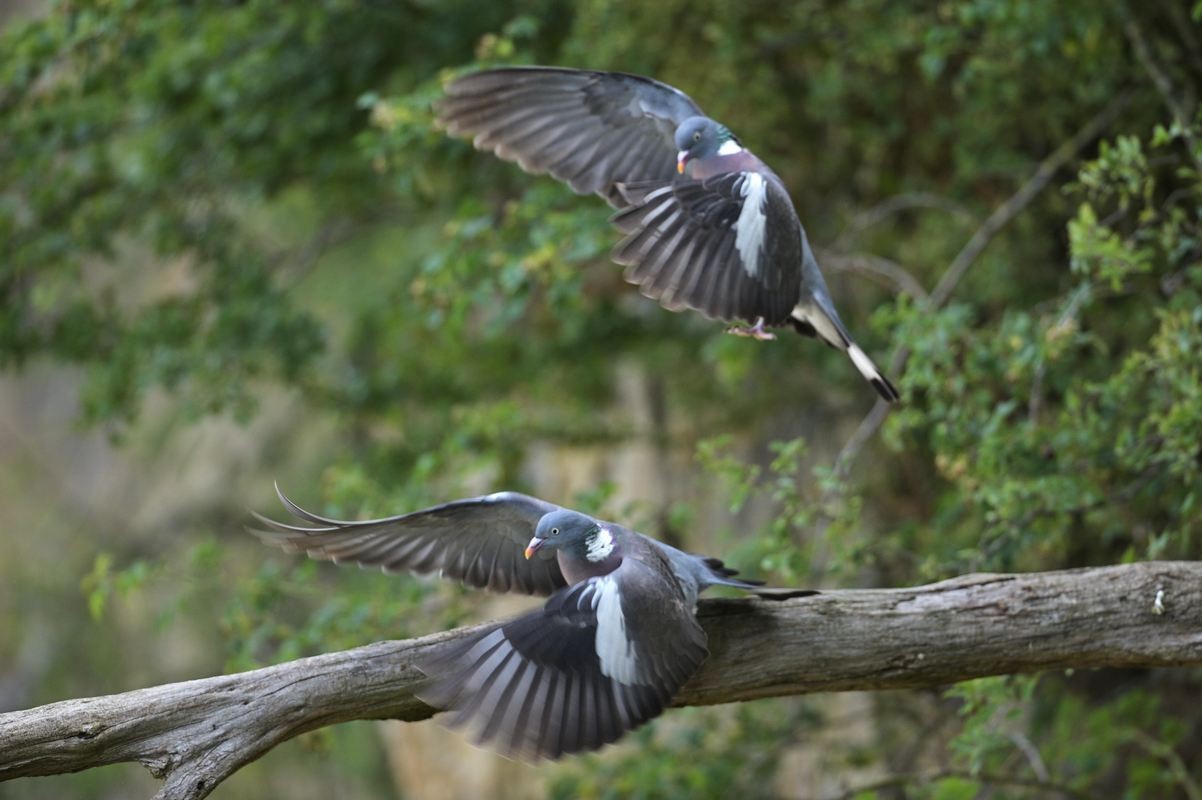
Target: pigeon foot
(755,331)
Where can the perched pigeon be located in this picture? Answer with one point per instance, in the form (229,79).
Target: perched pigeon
(606,653)
(708,225)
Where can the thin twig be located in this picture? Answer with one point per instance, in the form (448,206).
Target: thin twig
(1001,216)
(896,204)
(864,431)
(1007,211)
(1177,766)
(1184,26)
(923,778)
(1162,82)
(1031,753)
(298,262)
(877,267)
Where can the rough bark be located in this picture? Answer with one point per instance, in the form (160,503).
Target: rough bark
(195,734)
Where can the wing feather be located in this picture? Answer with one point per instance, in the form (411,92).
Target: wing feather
(597,113)
(539,686)
(478,541)
(682,246)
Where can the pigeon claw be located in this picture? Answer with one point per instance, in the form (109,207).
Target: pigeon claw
(755,331)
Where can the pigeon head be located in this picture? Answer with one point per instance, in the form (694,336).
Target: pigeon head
(573,532)
(701,137)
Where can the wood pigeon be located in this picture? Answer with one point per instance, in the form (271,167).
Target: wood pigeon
(709,226)
(614,642)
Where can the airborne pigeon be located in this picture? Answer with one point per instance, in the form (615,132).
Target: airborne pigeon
(606,653)
(708,225)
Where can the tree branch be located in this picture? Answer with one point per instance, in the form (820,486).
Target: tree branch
(955,272)
(875,267)
(195,734)
(1143,54)
(895,204)
(1003,214)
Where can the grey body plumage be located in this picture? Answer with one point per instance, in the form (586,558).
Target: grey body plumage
(615,640)
(708,225)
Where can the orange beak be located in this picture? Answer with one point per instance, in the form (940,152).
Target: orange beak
(682,158)
(533,547)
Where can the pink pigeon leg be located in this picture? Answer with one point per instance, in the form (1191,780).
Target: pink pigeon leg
(756,331)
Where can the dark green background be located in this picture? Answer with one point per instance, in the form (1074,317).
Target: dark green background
(232,248)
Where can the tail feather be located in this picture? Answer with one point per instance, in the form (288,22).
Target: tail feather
(819,319)
(873,375)
(778,593)
(718,567)
(764,592)
(722,575)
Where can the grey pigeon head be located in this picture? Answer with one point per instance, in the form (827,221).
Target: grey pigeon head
(699,137)
(563,529)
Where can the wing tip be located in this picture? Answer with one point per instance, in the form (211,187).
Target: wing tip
(276,528)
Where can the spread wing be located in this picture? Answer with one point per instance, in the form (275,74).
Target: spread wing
(479,541)
(600,658)
(728,246)
(589,129)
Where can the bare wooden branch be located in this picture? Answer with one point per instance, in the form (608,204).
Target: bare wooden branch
(195,734)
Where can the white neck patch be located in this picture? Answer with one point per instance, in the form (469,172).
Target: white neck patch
(729,148)
(600,545)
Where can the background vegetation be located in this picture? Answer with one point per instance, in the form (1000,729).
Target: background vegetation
(234,248)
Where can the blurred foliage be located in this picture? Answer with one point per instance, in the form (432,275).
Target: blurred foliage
(705,754)
(203,202)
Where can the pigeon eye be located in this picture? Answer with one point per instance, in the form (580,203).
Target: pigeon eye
(555,531)
(697,136)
